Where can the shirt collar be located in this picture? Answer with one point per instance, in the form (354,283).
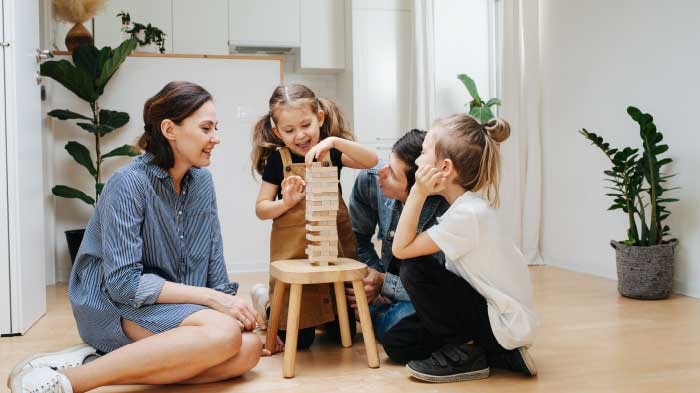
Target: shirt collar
(155,170)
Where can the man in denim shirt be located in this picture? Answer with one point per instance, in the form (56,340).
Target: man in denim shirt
(376,201)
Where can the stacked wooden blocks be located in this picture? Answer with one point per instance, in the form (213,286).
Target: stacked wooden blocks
(321,212)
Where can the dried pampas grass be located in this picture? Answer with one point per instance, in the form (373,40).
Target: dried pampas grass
(76,11)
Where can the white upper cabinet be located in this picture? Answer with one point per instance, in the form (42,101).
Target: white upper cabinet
(322,34)
(268,23)
(200,27)
(156,12)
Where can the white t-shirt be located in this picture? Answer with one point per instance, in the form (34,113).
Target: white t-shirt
(475,249)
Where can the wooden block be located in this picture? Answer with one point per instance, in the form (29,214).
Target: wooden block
(321,209)
(321,238)
(322,196)
(313,248)
(320,228)
(326,215)
(321,180)
(321,187)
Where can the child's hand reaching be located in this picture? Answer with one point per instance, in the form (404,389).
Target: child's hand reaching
(293,190)
(429,180)
(319,151)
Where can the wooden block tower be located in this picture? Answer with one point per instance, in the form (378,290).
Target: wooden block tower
(321,213)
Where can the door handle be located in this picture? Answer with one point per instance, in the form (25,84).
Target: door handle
(43,54)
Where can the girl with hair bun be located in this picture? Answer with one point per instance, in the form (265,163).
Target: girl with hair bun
(477,310)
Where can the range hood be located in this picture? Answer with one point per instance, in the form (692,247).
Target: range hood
(261,48)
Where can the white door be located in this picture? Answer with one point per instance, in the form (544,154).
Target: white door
(21,182)
(5,317)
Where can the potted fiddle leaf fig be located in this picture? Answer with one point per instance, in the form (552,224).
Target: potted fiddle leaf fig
(87,77)
(478,109)
(645,258)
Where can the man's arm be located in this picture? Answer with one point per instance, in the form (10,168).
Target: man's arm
(364,213)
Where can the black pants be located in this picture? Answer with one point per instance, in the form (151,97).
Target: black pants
(448,311)
(306,336)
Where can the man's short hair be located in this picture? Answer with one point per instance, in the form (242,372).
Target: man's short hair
(408,148)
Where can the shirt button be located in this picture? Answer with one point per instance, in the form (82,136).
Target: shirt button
(391,233)
(180,212)
(182,236)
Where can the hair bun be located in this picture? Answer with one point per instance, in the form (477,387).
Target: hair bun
(498,129)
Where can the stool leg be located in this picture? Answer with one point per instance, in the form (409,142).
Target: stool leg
(343,321)
(275,310)
(366,323)
(290,343)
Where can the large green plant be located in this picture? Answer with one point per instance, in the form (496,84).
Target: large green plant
(638,183)
(87,76)
(478,109)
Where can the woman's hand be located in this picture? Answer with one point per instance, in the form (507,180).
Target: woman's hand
(319,151)
(279,346)
(429,181)
(293,190)
(236,308)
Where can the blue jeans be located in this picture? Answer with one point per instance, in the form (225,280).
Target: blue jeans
(385,316)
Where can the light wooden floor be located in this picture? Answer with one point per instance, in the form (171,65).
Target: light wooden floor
(592,340)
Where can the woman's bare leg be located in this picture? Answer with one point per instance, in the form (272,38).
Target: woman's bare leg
(205,339)
(247,358)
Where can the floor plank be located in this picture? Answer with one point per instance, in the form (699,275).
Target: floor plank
(592,340)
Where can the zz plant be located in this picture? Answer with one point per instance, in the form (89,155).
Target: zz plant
(87,76)
(637,182)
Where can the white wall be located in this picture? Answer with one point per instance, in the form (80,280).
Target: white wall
(598,58)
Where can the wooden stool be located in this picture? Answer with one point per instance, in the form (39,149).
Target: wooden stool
(298,272)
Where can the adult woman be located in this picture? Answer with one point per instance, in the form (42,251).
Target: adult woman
(149,287)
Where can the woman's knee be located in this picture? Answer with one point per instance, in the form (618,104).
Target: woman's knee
(251,350)
(219,331)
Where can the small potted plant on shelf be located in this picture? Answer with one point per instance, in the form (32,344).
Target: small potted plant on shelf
(149,37)
(638,185)
(87,76)
(478,109)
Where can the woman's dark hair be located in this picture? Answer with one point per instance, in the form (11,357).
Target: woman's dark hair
(408,148)
(176,101)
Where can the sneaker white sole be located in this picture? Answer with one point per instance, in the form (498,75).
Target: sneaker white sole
(468,376)
(18,368)
(529,362)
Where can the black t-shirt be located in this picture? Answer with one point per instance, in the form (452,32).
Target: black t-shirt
(274,173)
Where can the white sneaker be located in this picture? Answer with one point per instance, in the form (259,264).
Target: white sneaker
(41,380)
(67,358)
(260,294)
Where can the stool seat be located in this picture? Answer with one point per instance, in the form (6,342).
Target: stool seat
(299,272)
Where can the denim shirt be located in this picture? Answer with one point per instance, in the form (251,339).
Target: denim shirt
(369,209)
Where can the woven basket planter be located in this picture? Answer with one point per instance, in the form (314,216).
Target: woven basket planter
(645,272)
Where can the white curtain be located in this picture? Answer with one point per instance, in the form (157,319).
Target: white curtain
(422,76)
(521,185)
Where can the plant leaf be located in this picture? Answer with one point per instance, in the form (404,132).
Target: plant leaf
(471,87)
(102,129)
(492,102)
(71,77)
(65,114)
(125,150)
(70,192)
(113,119)
(481,113)
(85,57)
(109,63)
(81,155)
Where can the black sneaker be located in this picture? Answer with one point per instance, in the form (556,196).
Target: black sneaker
(518,360)
(451,363)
